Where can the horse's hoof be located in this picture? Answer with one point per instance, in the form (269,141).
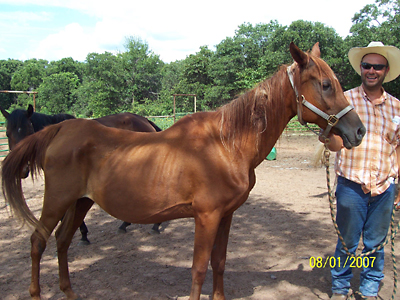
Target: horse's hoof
(154,231)
(84,243)
(121,230)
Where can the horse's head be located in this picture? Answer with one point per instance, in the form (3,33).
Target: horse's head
(320,98)
(19,125)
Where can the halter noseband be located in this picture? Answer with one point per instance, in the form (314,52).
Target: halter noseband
(331,119)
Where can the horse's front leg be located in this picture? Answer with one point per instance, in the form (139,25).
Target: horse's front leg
(206,227)
(218,257)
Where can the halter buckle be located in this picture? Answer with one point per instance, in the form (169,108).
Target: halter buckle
(332,120)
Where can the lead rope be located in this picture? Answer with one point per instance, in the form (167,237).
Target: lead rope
(393,230)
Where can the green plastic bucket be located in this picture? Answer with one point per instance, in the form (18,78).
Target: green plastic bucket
(272,154)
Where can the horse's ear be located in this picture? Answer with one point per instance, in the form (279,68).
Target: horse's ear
(30,111)
(299,56)
(4,112)
(315,50)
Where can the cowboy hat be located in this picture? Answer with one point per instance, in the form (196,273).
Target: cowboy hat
(391,53)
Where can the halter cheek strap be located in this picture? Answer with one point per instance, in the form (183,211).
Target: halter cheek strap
(331,119)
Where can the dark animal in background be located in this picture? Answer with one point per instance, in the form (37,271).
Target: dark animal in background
(21,123)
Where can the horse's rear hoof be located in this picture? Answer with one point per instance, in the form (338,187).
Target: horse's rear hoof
(121,230)
(154,231)
(84,243)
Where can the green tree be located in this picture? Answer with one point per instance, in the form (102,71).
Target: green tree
(195,79)
(172,76)
(102,90)
(142,71)
(28,78)
(260,61)
(57,92)
(67,65)
(7,69)
(226,64)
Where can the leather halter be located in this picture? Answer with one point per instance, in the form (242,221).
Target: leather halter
(331,119)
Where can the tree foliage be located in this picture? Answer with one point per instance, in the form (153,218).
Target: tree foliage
(56,94)
(7,69)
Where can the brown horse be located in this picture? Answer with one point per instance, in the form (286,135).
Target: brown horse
(201,167)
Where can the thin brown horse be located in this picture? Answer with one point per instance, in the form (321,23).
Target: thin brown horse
(201,167)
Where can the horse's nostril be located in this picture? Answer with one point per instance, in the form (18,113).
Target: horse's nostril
(360,132)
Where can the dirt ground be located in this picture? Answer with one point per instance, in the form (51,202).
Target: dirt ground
(284,224)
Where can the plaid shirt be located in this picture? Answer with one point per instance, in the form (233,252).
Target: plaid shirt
(373,164)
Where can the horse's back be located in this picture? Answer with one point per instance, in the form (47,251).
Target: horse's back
(128,121)
(61,117)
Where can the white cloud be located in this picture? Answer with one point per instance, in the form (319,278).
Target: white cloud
(72,41)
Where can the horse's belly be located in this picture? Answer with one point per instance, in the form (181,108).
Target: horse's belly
(142,201)
(171,213)
(145,212)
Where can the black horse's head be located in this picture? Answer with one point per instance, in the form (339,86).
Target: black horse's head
(19,125)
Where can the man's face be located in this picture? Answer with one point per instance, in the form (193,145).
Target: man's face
(370,77)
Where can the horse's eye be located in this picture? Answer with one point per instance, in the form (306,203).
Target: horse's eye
(326,85)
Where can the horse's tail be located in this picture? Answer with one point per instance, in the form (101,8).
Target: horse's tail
(30,152)
(154,125)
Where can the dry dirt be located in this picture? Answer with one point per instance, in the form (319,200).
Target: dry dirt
(285,222)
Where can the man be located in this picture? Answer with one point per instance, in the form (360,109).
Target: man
(365,185)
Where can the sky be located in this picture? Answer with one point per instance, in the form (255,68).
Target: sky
(173,29)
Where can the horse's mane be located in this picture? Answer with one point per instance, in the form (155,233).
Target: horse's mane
(251,111)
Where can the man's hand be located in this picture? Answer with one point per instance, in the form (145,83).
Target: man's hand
(333,142)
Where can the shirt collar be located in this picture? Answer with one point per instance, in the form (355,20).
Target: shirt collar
(382,99)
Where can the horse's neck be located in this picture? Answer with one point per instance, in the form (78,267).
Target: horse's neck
(39,121)
(281,110)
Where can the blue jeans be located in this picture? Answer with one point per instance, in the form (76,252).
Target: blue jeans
(359,213)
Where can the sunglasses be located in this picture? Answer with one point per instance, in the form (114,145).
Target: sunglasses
(376,67)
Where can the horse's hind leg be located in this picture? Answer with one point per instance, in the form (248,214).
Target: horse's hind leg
(218,257)
(64,234)
(122,228)
(38,245)
(156,228)
(84,232)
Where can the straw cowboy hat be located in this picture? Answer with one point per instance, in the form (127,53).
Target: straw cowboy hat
(391,53)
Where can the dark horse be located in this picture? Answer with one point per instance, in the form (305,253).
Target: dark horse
(21,123)
(202,167)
